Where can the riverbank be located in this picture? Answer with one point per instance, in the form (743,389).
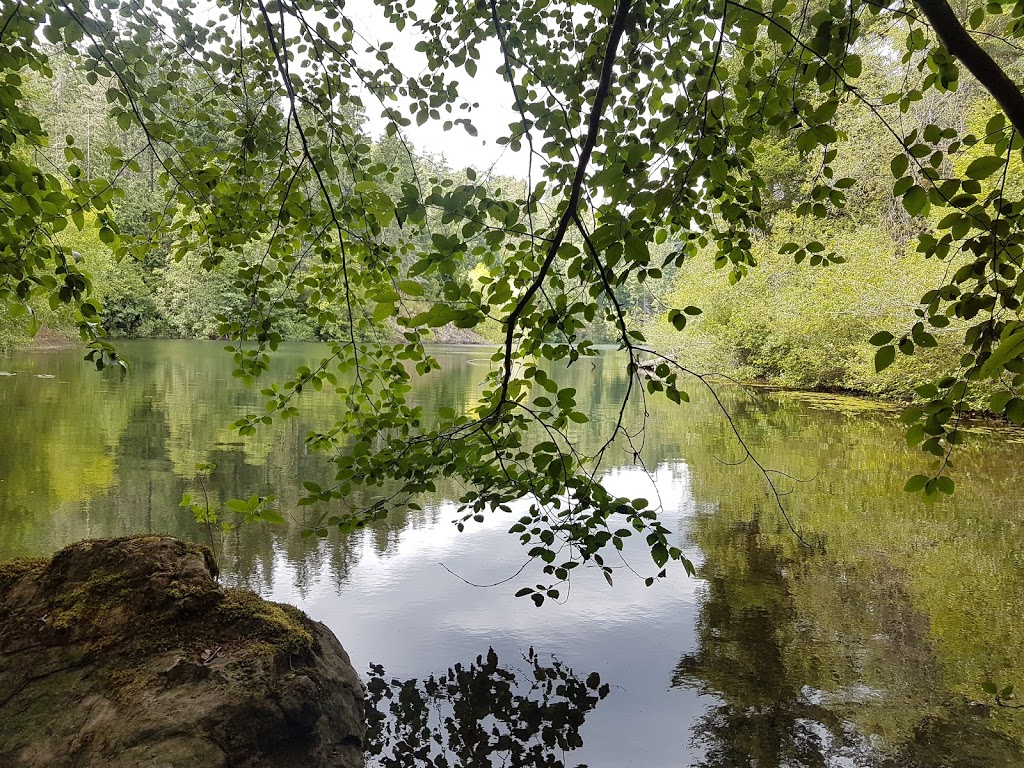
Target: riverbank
(67,338)
(853,401)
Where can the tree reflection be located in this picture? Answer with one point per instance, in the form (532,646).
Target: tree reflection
(816,665)
(958,737)
(483,714)
(765,719)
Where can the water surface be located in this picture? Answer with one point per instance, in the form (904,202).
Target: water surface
(868,646)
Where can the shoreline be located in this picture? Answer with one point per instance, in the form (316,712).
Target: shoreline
(49,341)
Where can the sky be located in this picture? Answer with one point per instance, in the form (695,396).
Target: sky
(487,89)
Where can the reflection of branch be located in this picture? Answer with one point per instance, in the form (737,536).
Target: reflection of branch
(480,714)
(748,453)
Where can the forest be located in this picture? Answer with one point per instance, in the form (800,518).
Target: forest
(788,322)
(709,190)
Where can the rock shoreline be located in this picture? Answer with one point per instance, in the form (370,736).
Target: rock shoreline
(126,653)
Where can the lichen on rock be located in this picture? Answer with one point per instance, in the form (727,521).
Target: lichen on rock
(127,652)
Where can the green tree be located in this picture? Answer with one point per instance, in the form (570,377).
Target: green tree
(642,124)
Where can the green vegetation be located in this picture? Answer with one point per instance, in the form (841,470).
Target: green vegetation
(13,570)
(89,607)
(164,170)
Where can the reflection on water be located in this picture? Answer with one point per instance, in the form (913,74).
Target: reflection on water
(768,716)
(813,664)
(867,649)
(480,714)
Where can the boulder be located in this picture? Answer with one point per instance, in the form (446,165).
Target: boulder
(125,653)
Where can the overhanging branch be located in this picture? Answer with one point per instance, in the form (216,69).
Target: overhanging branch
(575,191)
(977,60)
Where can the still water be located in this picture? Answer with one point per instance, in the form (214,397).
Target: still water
(869,647)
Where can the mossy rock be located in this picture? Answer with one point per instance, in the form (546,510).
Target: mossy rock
(127,652)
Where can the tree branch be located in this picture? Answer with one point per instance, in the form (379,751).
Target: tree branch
(977,60)
(604,85)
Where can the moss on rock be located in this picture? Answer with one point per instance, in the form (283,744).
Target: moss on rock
(121,642)
(14,570)
(283,628)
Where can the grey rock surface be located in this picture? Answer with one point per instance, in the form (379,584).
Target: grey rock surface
(126,653)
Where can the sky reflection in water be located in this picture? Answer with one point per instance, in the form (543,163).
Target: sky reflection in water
(403,609)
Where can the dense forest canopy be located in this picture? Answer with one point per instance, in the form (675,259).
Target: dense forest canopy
(691,171)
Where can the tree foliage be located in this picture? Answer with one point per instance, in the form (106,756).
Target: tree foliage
(642,126)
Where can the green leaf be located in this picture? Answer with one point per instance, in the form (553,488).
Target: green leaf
(271,516)
(1015,411)
(915,435)
(1009,348)
(884,357)
(659,553)
(410,287)
(911,415)
(383,311)
(902,185)
(983,167)
(915,200)
(999,401)
(636,250)
(915,484)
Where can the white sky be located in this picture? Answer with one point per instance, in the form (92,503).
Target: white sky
(494,97)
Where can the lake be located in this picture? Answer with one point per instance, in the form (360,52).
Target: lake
(866,643)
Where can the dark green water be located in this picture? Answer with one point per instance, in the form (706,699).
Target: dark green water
(868,648)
